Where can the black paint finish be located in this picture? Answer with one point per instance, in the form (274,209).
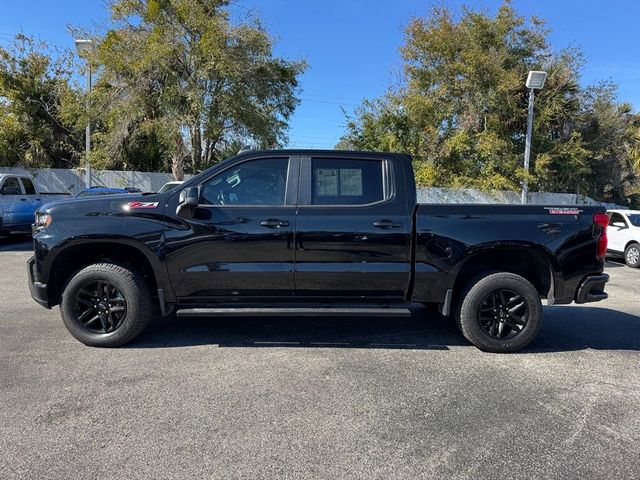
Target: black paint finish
(392,250)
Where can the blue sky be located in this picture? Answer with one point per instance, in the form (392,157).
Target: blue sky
(352,45)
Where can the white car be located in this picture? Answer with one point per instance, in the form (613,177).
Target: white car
(623,233)
(170,186)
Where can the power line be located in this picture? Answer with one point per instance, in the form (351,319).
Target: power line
(334,98)
(329,102)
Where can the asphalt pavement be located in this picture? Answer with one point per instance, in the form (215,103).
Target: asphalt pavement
(314,398)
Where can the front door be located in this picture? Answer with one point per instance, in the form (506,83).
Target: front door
(352,230)
(12,201)
(239,242)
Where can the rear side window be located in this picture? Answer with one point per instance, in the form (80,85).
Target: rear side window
(29,189)
(11,187)
(617,218)
(346,181)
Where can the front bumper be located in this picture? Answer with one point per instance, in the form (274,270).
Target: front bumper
(592,289)
(38,290)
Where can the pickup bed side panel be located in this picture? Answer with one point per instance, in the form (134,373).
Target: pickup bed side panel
(449,236)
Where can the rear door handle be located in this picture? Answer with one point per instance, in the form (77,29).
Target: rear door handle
(274,223)
(386,224)
(23,199)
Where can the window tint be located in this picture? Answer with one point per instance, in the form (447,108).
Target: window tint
(346,181)
(11,187)
(616,217)
(634,219)
(257,182)
(29,189)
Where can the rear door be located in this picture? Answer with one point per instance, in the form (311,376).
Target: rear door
(352,229)
(616,233)
(239,243)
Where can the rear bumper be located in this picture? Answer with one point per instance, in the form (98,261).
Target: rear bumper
(592,289)
(38,290)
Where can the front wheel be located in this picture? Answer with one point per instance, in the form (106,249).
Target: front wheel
(632,255)
(106,305)
(500,312)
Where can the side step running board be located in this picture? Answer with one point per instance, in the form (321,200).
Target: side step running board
(294,312)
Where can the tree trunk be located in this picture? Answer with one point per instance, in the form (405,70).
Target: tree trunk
(177,160)
(196,147)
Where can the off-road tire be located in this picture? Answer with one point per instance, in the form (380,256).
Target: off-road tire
(134,289)
(467,312)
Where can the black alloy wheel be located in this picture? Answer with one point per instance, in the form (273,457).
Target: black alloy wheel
(503,314)
(100,307)
(499,312)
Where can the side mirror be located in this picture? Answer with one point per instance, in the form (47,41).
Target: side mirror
(188,200)
(619,225)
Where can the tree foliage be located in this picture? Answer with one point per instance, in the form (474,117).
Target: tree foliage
(32,130)
(178,80)
(461,110)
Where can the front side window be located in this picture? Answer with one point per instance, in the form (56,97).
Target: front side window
(256,182)
(11,187)
(29,189)
(346,181)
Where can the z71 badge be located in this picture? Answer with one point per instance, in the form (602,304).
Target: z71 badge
(138,205)
(563,210)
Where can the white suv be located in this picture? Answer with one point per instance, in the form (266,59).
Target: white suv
(623,233)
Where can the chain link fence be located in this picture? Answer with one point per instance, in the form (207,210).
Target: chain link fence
(56,180)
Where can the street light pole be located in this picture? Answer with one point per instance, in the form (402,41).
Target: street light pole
(87,145)
(535,81)
(83,46)
(527,147)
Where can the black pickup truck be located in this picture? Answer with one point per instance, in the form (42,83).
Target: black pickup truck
(301,232)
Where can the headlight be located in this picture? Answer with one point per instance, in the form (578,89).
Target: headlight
(43,220)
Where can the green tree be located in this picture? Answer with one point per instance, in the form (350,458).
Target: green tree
(32,130)
(178,77)
(461,110)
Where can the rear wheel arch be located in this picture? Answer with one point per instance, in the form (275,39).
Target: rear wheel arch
(533,265)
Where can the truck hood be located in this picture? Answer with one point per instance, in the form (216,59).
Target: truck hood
(103,204)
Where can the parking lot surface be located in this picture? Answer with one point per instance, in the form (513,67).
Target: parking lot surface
(319,398)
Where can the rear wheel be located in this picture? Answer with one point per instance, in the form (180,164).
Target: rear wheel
(632,255)
(106,305)
(500,312)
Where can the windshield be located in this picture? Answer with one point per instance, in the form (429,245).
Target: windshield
(634,219)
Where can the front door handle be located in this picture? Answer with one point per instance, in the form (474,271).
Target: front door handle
(386,224)
(274,223)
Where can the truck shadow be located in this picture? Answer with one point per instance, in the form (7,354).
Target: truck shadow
(565,328)
(16,243)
